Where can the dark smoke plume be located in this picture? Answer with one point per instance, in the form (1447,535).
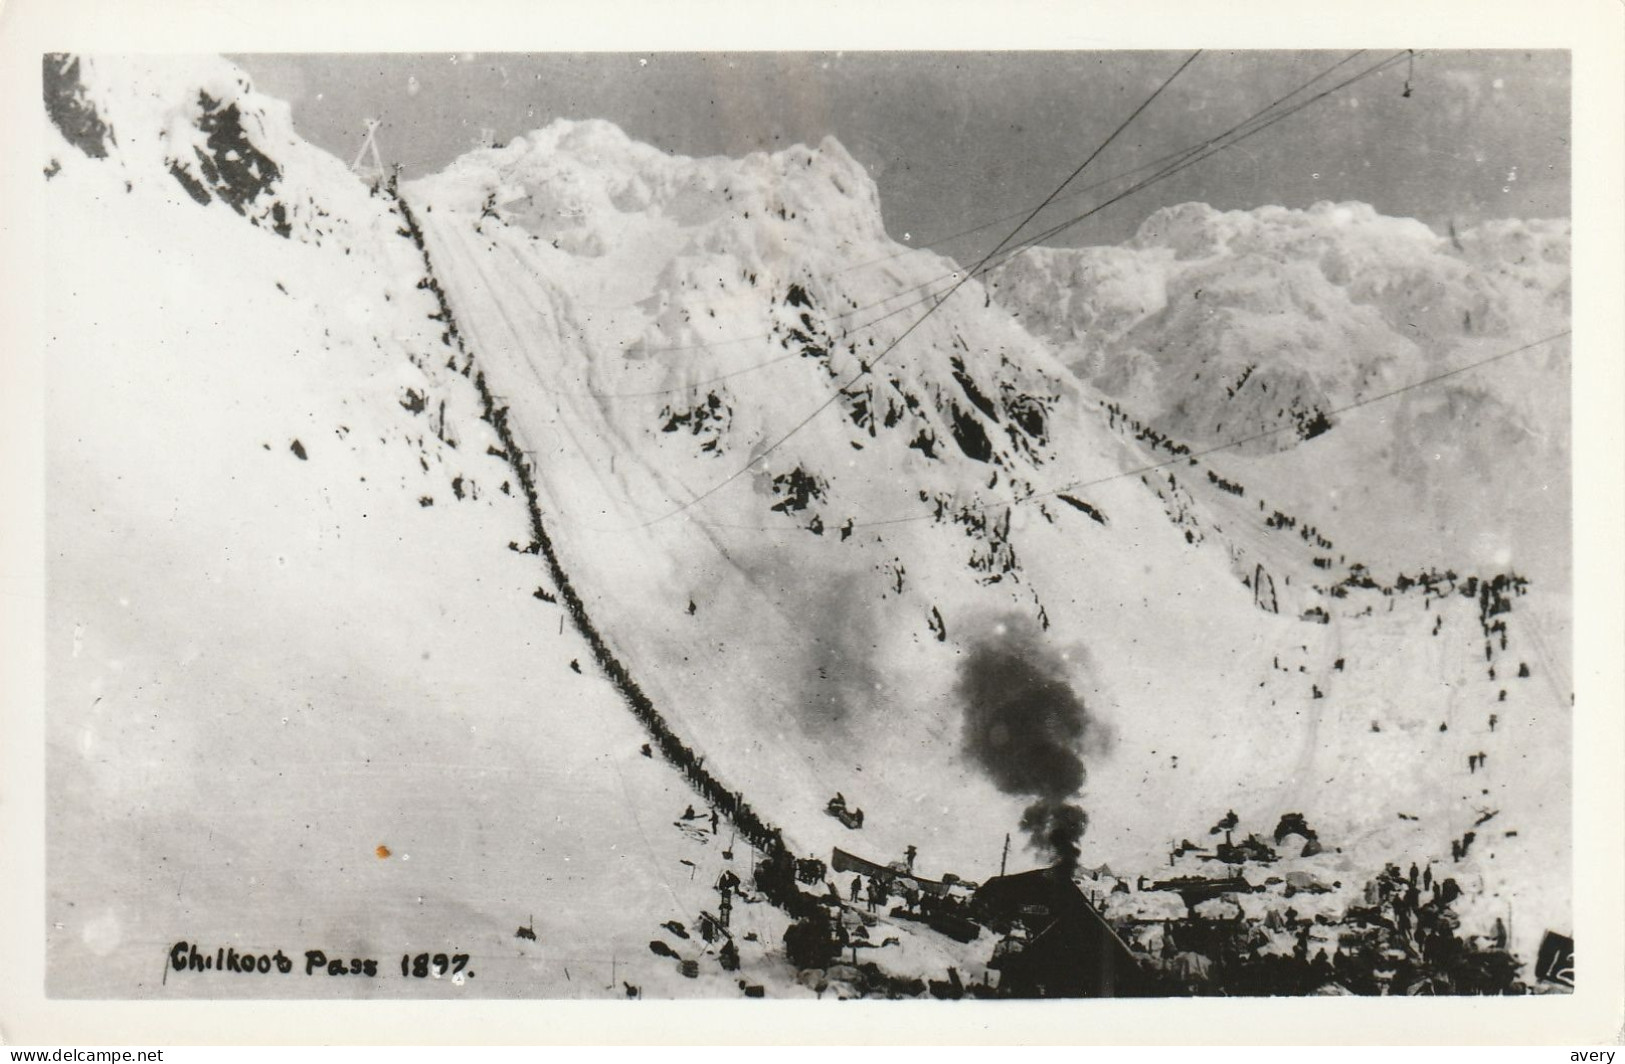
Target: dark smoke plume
(1025,727)
(1057,826)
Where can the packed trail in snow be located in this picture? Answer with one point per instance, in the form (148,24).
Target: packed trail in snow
(602,580)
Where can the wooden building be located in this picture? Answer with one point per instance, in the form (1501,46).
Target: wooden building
(1054,942)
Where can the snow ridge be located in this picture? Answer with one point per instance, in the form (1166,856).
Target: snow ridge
(646,325)
(1257,326)
(1218,324)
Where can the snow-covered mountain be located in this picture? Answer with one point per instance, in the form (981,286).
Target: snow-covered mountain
(1262,326)
(302,694)
(379,519)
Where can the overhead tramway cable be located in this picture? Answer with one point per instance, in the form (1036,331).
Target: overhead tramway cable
(868,365)
(1270,115)
(1173,158)
(1276,431)
(455,243)
(1189,456)
(1186,159)
(1215,149)
(1217,145)
(1173,161)
(1073,176)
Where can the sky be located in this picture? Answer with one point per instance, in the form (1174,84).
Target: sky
(956,139)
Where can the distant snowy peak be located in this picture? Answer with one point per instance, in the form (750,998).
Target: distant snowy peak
(606,333)
(1218,324)
(569,180)
(716,301)
(199,120)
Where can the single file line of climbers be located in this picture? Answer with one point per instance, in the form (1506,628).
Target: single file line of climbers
(476,270)
(1265,434)
(1189,456)
(1199,153)
(752,826)
(1167,172)
(867,365)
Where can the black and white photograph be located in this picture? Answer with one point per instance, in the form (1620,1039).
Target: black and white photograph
(883,524)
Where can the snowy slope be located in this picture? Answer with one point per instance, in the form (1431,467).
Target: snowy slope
(286,628)
(813,611)
(1211,327)
(268,660)
(1216,326)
